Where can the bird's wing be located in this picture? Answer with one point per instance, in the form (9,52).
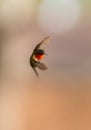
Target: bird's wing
(42,44)
(41,66)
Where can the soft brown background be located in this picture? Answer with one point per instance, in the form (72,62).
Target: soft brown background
(61,97)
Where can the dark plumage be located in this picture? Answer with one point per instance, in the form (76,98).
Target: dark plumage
(37,55)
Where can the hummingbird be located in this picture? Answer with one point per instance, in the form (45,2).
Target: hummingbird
(37,55)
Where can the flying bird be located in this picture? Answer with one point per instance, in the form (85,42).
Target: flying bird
(38,54)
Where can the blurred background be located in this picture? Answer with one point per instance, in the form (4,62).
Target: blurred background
(61,97)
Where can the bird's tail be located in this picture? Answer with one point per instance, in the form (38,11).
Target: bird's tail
(35,71)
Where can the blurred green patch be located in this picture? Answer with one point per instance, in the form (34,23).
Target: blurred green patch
(1,2)
(86,3)
(39,1)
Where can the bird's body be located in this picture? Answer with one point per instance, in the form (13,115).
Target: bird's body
(37,55)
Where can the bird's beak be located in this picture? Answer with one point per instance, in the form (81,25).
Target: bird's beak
(45,53)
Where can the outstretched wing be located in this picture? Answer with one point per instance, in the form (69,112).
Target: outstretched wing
(41,66)
(42,44)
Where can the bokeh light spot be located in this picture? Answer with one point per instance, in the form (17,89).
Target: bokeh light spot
(58,16)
